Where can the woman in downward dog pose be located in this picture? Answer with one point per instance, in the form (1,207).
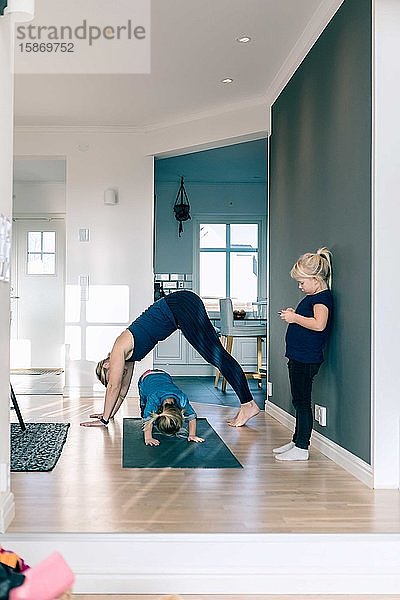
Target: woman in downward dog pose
(182,310)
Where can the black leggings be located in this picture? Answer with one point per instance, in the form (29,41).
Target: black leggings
(192,319)
(301,376)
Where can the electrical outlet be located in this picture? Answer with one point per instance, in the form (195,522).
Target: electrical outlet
(269,388)
(320,414)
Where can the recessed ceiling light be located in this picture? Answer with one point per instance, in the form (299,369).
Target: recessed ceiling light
(245,39)
(227,80)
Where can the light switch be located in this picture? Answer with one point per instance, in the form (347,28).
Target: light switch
(84,285)
(84,235)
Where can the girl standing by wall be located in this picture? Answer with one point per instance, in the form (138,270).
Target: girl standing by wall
(307,332)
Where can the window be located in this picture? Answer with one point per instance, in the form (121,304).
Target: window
(228,263)
(41,253)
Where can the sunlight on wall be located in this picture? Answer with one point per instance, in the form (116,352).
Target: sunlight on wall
(73,342)
(108,304)
(99,341)
(72,303)
(20,354)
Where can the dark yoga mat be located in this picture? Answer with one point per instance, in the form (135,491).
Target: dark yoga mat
(176,452)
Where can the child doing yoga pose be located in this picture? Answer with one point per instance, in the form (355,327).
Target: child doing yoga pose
(164,405)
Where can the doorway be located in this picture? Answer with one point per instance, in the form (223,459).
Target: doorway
(38,275)
(37,293)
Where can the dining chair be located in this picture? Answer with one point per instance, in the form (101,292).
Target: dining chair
(229,330)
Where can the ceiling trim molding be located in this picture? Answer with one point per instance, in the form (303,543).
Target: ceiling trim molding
(306,41)
(256,102)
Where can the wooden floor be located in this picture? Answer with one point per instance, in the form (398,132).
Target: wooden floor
(89,491)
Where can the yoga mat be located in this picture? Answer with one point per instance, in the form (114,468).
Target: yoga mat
(175,452)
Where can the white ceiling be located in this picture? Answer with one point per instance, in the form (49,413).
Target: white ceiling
(193,48)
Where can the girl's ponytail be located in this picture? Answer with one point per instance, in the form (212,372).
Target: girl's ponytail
(326,269)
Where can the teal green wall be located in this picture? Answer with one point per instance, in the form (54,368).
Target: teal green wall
(320,194)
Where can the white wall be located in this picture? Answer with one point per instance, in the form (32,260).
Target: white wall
(120,249)
(386,283)
(41,197)
(6,124)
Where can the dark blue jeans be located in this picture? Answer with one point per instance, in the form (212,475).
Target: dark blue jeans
(301,376)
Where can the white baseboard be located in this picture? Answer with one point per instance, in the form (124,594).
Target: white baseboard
(221,563)
(348,461)
(7,510)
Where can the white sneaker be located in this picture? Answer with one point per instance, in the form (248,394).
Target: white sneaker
(284,448)
(293,454)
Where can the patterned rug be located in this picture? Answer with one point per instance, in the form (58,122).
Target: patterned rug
(39,447)
(36,371)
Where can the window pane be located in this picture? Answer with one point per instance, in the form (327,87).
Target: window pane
(244,277)
(41,264)
(34,241)
(49,264)
(49,241)
(212,275)
(244,235)
(212,235)
(35,266)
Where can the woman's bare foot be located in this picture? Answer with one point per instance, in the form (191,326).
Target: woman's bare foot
(234,418)
(247,411)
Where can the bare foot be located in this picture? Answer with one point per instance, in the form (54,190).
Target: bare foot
(234,418)
(247,411)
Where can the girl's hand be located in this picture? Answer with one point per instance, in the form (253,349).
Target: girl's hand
(93,424)
(151,442)
(288,315)
(195,438)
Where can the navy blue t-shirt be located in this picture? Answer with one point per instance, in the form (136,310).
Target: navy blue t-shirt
(153,325)
(305,345)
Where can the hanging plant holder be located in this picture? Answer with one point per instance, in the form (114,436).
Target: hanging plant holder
(182,207)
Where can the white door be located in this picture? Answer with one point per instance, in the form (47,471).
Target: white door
(37,293)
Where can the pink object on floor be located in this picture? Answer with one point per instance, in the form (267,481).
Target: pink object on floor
(46,581)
